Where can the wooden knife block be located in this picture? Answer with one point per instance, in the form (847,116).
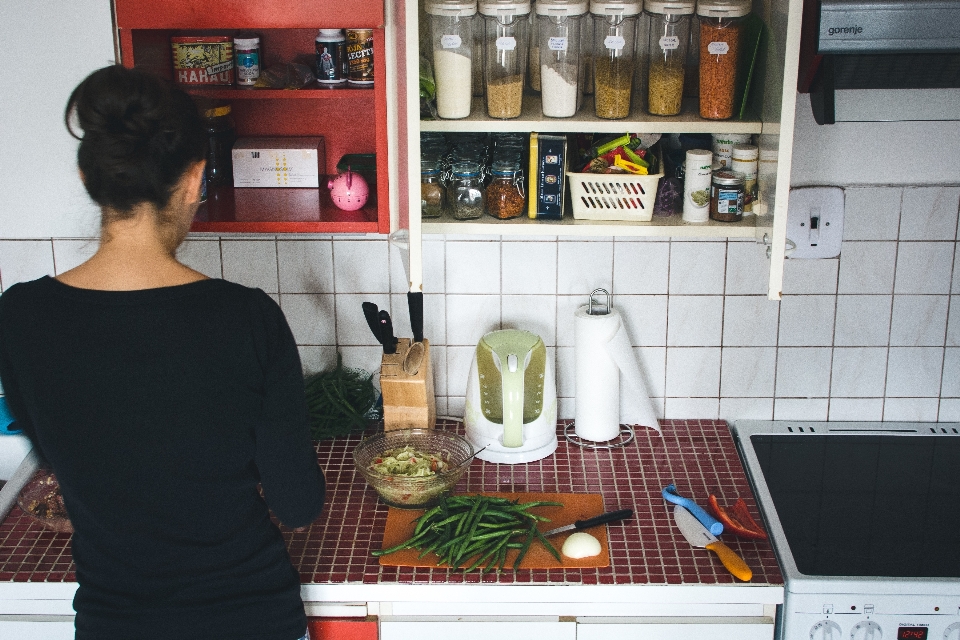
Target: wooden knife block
(408,400)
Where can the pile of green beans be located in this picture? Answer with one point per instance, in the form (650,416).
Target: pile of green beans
(477,531)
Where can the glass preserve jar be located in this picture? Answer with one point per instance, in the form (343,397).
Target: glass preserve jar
(505,41)
(726,196)
(721,44)
(465,194)
(431,191)
(504,195)
(667,49)
(614,54)
(561,67)
(451,28)
(220,138)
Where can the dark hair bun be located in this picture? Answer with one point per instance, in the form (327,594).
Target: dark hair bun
(140,133)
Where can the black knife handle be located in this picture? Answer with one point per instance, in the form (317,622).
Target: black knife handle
(386,333)
(415,305)
(372,315)
(604,517)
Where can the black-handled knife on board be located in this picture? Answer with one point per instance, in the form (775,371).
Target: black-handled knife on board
(386,333)
(610,516)
(415,306)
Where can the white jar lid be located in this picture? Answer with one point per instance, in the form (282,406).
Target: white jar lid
(696,157)
(670,7)
(451,7)
(744,152)
(331,34)
(615,7)
(723,8)
(561,7)
(508,7)
(246,42)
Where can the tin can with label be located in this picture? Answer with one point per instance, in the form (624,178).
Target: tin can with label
(203,60)
(360,57)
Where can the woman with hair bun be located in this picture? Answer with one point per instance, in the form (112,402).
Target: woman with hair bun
(169,405)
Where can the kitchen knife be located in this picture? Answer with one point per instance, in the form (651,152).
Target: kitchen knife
(415,305)
(610,516)
(698,536)
(386,333)
(712,524)
(372,314)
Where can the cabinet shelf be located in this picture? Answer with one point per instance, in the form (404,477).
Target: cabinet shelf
(315,92)
(639,121)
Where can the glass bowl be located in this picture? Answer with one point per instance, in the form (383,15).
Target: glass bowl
(410,492)
(41,501)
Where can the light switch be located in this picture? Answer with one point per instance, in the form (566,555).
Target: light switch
(815,222)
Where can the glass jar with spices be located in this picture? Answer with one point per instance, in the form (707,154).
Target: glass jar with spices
(721,43)
(561,67)
(505,197)
(505,25)
(614,32)
(465,195)
(667,48)
(726,196)
(431,191)
(451,28)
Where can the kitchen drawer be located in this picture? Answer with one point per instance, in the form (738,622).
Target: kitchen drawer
(37,628)
(677,629)
(477,628)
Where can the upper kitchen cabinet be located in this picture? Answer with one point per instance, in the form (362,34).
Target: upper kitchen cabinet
(769,115)
(351,119)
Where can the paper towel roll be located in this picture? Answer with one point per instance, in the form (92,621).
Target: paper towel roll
(610,387)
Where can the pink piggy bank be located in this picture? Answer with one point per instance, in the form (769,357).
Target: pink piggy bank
(349,191)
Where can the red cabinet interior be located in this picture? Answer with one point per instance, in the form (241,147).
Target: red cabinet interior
(350,119)
(342,628)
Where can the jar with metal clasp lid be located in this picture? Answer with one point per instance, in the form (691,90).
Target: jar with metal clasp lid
(431,190)
(505,198)
(465,194)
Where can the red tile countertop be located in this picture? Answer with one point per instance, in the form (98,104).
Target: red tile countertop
(699,456)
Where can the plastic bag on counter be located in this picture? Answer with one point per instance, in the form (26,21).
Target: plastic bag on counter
(287,75)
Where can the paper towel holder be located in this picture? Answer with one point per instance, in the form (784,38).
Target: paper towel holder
(608,305)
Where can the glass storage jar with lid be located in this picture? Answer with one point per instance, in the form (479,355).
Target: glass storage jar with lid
(431,191)
(465,195)
(505,41)
(667,49)
(504,195)
(452,36)
(614,54)
(561,65)
(721,44)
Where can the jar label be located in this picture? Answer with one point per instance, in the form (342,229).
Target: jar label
(669,43)
(729,201)
(506,43)
(614,42)
(450,41)
(718,48)
(557,44)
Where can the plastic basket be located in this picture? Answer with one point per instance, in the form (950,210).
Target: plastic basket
(613,196)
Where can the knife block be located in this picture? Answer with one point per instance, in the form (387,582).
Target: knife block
(408,400)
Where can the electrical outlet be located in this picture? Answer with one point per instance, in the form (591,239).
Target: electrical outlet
(815,222)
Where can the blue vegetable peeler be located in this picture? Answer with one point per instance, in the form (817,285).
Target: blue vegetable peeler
(670,495)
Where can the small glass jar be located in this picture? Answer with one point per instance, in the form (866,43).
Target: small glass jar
(465,195)
(726,196)
(721,43)
(561,64)
(452,33)
(615,30)
(220,138)
(505,198)
(744,160)
(431,191)
(505,25)
(667,48)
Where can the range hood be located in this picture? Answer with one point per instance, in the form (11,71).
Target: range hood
(877,44)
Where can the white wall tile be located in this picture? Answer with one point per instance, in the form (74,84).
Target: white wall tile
(800,409)
(955,281)
(733,409)
(316,358)
(366,358)
(691,408)
(583,267)
(469,317)
(434,316)
(653,366)
(855,409)
(640,267)
(361,266)
(807,321)
(867,267)
(472,267)
(311,317)
(863,321)
(442,409)
(697,267)
(929,213)
(455,406)
(810,276)
(949,410)
(352,327)
(911,409)
(859,372)
(693,372)
(438,365)
(537,314)
(305,266)
(202,256)
(924,267)
(747,372)
(750,321)
(459,360)
(68,254)
(953,322)
(25,260)
(252,263)
(566,308)
(645,319)
(529,267)
(950,385)
(434,267)
(566,372)
(871,213)
(694,321)
(803,372)
(748,269)
(914,372)
(918,321)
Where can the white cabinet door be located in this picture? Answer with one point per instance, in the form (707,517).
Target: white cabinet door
(675,631)
(37,630)
(476,629)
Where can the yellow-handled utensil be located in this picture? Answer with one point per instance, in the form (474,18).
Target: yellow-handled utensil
(698,536)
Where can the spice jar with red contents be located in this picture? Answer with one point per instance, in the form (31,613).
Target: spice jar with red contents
(721,43)
(505,197)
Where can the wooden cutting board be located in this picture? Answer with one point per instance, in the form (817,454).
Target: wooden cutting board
(576,506)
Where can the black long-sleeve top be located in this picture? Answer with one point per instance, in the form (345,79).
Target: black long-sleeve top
(161,411)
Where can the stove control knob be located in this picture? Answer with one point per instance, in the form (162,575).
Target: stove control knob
(867,630)
(952,632)
(826,630)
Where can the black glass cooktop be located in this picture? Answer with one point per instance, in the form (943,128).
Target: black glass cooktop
(866,505)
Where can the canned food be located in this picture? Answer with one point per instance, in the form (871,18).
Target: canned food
(203,60)
(360,56)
